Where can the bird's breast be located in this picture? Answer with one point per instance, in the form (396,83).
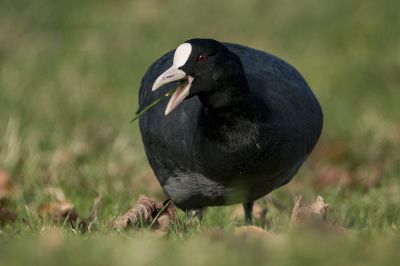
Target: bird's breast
(231,149)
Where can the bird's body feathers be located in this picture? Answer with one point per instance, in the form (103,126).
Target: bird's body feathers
(205,157)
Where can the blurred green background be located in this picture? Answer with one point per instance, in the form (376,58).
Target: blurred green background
(69,78)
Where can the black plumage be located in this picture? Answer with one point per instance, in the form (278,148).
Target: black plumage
(248,123)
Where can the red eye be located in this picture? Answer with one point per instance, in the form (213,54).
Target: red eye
(202,58)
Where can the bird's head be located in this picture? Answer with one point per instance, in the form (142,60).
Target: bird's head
(203,65)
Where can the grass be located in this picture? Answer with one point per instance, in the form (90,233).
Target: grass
(69,79)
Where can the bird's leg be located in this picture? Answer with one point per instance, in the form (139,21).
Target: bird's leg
(189,214)
(193,213)
(199,213)
(248,212)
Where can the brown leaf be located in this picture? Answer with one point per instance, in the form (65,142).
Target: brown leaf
(166,216)
(164,222)
(301,213)
(314,216)
(59,211)
(7,188)
(148,211)
(6,216)
(141,211)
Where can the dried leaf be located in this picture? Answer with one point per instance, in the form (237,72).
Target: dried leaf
(319,207)
(59,212)
(6,216)
(163,221)
(314,216)
(167,215)
(7,188)
(141,211)
(303,213)
(296,210)
(148,211)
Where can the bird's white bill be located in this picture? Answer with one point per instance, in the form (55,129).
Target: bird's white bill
(179,95)
(181,55)
(170,75)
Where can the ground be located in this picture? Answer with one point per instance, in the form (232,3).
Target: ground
(69,79)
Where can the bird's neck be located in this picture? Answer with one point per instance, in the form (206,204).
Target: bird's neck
(227,95)
(232,109)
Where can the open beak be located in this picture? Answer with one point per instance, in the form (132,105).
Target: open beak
(182,91)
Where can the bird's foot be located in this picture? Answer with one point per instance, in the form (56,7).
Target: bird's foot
(195,213)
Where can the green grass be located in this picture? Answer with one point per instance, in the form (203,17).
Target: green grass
(69,79)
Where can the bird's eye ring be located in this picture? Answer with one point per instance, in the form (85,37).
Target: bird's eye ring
(202,58)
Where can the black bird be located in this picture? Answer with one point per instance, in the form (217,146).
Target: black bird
(240,126)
